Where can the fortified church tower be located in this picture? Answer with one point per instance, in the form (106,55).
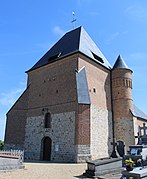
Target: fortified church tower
(74,104)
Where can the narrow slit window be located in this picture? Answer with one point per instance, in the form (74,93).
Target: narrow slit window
(94,90)
(47,120)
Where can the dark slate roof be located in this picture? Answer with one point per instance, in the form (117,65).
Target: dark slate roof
(120,63)
(76,40)
(82,87)
(138,113)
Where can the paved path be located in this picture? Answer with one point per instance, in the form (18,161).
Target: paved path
(50,171)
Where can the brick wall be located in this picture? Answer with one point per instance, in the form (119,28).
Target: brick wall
(16,120)
(53,86)
(98,79)
(122,104)
(83,125)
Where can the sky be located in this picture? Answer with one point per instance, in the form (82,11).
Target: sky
(28,28)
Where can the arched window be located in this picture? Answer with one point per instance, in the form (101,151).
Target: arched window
(47,120)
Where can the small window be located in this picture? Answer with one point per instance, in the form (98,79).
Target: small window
(54,57)
(47,120)
(94,90)
(97,57)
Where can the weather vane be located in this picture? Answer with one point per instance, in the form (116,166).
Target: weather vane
(73,20)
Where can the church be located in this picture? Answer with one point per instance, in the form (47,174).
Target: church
(75,104)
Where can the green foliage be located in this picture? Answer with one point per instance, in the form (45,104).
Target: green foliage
(1,145)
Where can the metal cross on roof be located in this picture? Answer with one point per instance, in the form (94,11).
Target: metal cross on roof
(73,20)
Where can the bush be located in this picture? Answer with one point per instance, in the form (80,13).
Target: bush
(1,145)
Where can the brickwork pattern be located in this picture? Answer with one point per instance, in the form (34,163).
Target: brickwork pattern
(83,125)
(53,85)
(98,82)
(124,124)
(16,120)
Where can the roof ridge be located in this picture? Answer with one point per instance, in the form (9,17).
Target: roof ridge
(76,40)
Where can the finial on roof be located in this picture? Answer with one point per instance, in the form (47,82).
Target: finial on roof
(120,63)
(73,20)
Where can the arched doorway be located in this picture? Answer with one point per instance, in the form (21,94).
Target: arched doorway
(47,146)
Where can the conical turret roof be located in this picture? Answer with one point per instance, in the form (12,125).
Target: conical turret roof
(73,41)
(120,63)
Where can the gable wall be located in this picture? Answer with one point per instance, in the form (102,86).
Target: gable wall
(44,83)
(16,120)
(51,85)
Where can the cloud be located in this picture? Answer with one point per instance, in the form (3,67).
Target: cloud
(112,37)
(16,53)
(7,99)
(92,13)
(81,2)
(45,45)
(137,12)
(57,30)
(138,56)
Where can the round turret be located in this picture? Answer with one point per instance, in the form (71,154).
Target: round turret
(122,102)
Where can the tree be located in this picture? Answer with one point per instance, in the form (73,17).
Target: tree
(1,145)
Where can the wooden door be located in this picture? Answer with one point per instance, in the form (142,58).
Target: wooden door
(47,145)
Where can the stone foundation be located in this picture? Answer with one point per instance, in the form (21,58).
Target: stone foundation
(10,164)
(13,147)
(83,153)
(101,133)
(61,133)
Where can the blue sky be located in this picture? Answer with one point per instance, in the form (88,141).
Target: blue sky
(28,28)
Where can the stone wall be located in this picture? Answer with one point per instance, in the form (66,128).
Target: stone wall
(62,134)
(83,153)
(101,133)
(124,131)
(7,164)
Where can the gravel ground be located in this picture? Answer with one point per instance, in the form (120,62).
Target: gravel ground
(51,171)
(46,171)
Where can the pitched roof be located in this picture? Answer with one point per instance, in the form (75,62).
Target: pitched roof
(138,113)
(73,41)
(120,63)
